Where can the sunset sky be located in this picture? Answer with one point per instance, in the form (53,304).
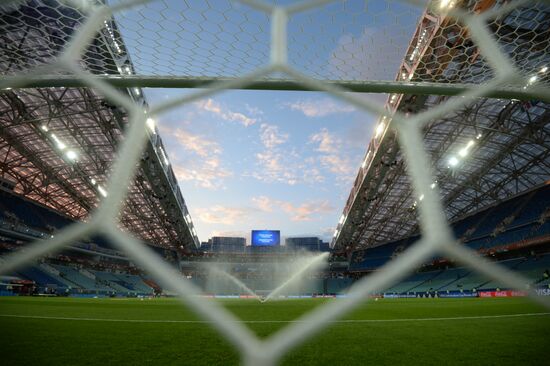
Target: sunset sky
(266,159)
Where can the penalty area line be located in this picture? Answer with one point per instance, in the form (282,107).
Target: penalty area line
(344,321)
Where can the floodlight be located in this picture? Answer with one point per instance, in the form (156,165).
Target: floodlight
(453,161)
(71,155)
(102,191)
(379,129)
(151,124)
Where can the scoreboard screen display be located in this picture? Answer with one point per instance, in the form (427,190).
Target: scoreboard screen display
(265,238)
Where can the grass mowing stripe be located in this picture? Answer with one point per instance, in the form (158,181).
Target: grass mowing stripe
(279,321)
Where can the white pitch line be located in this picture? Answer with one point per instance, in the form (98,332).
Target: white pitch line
(279,321)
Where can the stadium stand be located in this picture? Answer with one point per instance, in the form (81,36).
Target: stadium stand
(76,270)
(513,221)
(517,219)
(74,275)
(514,232)
(93,268)
(134,283)
(112,281)
(30,213)
(41,277)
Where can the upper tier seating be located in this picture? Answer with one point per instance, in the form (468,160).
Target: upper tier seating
(517,219)
(31,213)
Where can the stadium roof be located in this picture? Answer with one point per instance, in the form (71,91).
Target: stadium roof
(483,153)
(57,144)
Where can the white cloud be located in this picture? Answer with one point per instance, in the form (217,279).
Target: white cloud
(313,175)
(288,166)
(211,106)
(285,168)
(253,110)
(270,162)
(221,215)
(264,203)
(336,164)
(321,107)
(207,174)
(282,165)
(307,211)
(195,143)
(327,142)
(195,158)
(274,166)
(332,158)
(271,137)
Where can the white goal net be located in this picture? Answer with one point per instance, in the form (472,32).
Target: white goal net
(250,43)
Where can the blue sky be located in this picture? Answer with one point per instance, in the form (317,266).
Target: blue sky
(264,159)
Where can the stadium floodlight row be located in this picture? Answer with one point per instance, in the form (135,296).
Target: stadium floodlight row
(57,144)
(481,153)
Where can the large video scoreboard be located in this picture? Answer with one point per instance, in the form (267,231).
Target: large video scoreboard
(266,238)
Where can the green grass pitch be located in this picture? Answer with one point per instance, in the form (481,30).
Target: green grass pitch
(40,336)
